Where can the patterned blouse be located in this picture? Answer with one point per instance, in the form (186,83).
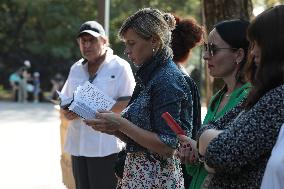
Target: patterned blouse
(240,153)
(161,87)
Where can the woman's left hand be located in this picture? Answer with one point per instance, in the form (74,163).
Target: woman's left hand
(106,122)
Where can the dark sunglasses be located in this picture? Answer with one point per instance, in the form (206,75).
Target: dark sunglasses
(213,49)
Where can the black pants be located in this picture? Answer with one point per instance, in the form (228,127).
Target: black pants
(94,172)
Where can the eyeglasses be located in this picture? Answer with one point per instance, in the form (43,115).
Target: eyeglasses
(213,49)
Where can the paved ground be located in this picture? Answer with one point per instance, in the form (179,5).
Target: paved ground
(29,146)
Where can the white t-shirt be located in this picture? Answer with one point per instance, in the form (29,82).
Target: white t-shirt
(115,79)
(274,172)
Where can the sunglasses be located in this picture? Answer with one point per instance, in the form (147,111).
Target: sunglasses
(213,49)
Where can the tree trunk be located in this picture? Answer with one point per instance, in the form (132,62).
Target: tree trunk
(101,12)
(215,11)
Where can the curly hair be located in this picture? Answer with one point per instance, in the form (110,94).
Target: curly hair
(186,35)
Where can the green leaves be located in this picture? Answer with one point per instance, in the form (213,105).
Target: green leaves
(44,31)
(49,26)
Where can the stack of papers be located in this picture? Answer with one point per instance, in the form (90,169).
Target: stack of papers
(86,101)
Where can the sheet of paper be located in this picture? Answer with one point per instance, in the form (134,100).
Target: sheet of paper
(88,99)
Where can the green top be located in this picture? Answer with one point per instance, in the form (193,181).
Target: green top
(198,172)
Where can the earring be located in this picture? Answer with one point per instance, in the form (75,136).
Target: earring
(153,50)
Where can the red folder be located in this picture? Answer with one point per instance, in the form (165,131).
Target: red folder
(173,124)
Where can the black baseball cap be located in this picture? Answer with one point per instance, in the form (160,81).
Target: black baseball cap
(93,28)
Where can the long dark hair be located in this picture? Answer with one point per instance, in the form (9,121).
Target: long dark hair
(267,31)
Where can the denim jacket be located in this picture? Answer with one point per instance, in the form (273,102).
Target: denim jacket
(161,87)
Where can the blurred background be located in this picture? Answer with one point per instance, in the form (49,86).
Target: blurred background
(44,31)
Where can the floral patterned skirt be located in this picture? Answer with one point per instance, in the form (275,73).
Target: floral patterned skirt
(151,171)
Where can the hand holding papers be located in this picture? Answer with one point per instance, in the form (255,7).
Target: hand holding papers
(86,101)
(64,101)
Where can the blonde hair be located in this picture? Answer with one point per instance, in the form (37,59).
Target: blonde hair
(149,22)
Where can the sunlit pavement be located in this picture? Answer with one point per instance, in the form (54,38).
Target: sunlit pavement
(29,146)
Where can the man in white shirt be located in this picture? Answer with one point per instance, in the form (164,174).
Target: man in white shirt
(93,153)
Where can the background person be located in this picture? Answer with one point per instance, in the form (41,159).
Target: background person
(57,83)
(161,87)
(28,83)
(93,153)
(186,35)
(15,81)
(36,84)
(23,86)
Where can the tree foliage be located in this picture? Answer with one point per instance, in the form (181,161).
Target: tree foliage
(44,31)
(267,3)
(42,27)
(120,10)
